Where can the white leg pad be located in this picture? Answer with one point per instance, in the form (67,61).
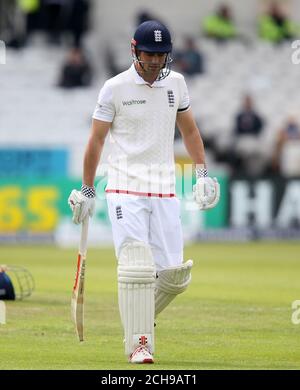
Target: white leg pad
(171,282)
(136,285)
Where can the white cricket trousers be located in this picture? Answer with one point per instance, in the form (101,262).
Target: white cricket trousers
(154,221)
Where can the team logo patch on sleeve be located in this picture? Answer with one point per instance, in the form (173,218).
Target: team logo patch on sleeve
(171,98)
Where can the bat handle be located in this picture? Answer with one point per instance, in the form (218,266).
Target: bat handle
(84,236)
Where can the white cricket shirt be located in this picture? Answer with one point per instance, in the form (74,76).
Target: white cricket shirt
(141,158)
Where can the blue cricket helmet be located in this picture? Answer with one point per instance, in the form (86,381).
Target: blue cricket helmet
(152,36)
(15,282)
(7,291)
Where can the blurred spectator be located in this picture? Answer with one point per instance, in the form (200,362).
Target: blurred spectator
(55,14)
(78,20)
(11,23)
(189,60)
(247,154)
(275,26)
(248,122)
(143,15)
(76,72)
(286,156)
(220,26)
(110,61)
(7,9)
(31,9)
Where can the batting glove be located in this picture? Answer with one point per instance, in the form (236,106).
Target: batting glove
(206,191)
(82,203)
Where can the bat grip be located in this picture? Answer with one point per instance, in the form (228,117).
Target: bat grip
(84,236)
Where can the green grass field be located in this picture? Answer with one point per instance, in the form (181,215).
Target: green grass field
(236,314)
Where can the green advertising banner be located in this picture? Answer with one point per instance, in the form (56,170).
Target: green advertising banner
(40,206)
(33,205)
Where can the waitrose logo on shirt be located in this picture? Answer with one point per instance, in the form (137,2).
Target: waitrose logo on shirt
(131,102)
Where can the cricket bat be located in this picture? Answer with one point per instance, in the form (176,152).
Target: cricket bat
(77,302)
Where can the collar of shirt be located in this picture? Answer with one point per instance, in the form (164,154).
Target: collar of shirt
(139,80)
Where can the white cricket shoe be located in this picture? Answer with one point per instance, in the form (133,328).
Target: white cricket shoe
(141,355)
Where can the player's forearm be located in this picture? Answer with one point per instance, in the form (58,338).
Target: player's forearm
(195,147)
(91,160)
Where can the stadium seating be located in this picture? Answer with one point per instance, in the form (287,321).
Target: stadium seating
(36,112)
